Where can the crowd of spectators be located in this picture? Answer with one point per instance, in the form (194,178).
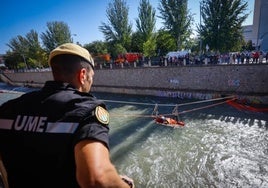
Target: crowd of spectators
(254,57)
(226,58)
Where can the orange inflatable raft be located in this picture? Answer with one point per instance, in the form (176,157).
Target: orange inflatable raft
(241,105)
(167,121)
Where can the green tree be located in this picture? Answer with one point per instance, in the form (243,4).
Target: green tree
(149,48)
(19,51)
(97,48)
(36,55)
(12,60)
(56,34)
(117,30)
(194,45)
(136,42)
(165,42)
(27,50)
(222,24)
(177,20)
(249,46)
(115,49)
(145,27)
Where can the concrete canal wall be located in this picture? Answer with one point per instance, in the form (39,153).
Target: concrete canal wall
(200,82)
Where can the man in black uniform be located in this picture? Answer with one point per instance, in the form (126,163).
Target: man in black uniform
(58,136)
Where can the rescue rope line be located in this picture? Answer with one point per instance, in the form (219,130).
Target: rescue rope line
(203,107)
(182,104)
(174,112)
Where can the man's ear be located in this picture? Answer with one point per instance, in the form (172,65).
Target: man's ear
(82,75)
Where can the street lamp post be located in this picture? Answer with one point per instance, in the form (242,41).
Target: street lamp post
(201,4)
(74,36)
(219,28)
(24,61)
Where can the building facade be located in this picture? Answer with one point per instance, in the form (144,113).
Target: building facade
(258,32)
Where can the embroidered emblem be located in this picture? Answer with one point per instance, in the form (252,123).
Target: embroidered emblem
(102,115)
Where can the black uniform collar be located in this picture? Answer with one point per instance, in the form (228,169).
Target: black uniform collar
(57,85)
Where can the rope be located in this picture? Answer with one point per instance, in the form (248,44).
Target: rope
(203,107)
(132,115)
(176,112)
(156,112)
(183,104)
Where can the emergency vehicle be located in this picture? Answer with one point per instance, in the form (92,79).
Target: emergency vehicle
(129,57)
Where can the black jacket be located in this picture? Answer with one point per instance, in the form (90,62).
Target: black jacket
(38,132)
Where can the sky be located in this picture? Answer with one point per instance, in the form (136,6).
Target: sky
(82,16)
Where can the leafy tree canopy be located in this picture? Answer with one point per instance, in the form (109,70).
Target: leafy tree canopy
(177,20)
(222,24)
(117,29)
(56,34)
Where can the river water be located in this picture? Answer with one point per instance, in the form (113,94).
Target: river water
(219,146)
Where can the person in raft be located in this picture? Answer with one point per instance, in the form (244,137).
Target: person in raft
(168,121)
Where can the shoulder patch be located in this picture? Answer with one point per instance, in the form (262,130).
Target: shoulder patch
(102,115)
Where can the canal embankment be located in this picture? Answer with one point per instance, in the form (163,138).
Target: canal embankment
(198,82)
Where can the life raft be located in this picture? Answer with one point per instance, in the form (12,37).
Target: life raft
(167,121)
(241,105)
